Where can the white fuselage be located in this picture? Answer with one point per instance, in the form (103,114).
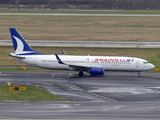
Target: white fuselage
(109,63)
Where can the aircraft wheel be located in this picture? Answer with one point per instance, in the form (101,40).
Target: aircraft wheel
(139,74)
(80,73)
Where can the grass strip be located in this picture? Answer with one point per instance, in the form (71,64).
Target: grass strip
(83,28)
(83,11)
(32,93)
(19,68)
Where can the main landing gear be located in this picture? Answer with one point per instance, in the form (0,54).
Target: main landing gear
(80,73)
(139,74)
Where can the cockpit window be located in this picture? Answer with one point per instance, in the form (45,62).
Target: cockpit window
(145,62)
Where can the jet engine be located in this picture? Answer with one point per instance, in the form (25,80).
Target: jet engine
(97,70)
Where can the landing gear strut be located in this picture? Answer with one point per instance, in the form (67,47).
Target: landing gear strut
(139,74)
(80,73)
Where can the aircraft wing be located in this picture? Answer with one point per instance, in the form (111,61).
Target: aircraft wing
(75,67)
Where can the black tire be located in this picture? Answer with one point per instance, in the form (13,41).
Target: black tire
(80,74)
(139,74)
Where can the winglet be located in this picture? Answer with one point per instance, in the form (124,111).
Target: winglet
(58,59)
(63,53)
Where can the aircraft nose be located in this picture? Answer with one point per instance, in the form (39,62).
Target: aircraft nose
(152,66)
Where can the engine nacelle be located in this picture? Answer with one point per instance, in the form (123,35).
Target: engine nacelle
(97,70)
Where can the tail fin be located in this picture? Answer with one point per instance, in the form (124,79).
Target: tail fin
(21,47)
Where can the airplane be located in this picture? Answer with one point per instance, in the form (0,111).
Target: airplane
(95,65)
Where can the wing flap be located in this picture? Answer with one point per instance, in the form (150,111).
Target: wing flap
(78,67)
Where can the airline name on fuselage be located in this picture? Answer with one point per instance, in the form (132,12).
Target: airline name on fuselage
(113,60)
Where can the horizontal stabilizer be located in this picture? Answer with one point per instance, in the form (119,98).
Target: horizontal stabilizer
(16,56)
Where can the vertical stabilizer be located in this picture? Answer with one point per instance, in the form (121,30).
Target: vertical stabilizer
(21,47)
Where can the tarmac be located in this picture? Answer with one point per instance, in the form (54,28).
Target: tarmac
(112,96)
